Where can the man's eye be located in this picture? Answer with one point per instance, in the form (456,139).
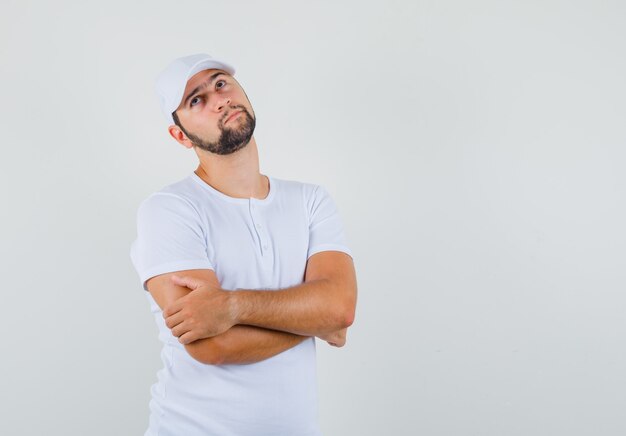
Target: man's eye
(218,87)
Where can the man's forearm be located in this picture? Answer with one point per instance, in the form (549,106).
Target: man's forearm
(313,308)
(243,344)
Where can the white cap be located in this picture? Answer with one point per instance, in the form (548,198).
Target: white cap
(171,82)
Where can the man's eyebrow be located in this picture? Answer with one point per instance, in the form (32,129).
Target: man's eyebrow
(197,88)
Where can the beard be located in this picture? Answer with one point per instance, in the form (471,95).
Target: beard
(231,139)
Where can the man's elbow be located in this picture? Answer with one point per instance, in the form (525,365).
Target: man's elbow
(205,351)
(347,318)
(347,314)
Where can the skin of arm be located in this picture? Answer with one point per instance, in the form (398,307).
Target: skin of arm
(324,303)
(240,344)
(321,306)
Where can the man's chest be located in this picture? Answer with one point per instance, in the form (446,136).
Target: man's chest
(258,246)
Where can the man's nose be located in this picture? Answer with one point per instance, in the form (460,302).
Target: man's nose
(224,101)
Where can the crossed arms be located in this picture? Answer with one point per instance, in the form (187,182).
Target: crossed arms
(245,326)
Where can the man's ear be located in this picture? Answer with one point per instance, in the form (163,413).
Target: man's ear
(179,136)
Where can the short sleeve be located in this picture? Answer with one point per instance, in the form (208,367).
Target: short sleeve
(325,225)
(170,237)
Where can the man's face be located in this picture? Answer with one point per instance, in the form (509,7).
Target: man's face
(215,113)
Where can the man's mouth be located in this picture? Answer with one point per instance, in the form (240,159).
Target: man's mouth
(233,116)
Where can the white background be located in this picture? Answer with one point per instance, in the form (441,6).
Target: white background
(476,154)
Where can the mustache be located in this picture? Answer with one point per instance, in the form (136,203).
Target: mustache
(234,109)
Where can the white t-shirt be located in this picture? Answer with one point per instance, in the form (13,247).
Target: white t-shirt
(250,244)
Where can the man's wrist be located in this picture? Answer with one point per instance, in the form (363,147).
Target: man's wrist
(236,306)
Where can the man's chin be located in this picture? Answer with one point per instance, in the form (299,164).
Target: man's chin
(232,151)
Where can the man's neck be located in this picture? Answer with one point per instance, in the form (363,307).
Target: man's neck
(236,175)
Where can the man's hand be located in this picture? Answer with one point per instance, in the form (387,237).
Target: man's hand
(336,339)
(323,303)
(204,312)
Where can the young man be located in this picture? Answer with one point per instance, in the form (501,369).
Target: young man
(243,270)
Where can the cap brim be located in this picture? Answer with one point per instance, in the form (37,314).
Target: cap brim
(201,66)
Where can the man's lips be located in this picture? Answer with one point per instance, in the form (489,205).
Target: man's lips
(234,115)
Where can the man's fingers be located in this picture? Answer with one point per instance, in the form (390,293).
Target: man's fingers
(179,330)
(173,320)
(174,307)
(187,338)
(186,281)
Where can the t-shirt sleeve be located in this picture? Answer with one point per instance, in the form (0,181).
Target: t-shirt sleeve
(325,225)
(170,237)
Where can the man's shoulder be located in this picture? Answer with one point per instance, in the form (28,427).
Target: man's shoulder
(184,187)
(311,193)
(295,187)
(183,191)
